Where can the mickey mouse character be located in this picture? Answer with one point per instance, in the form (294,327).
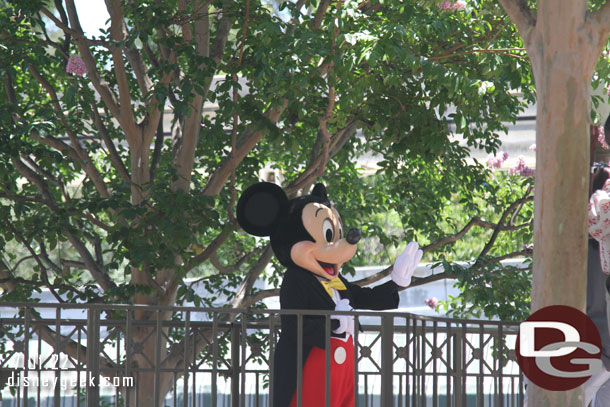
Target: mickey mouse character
(308,238)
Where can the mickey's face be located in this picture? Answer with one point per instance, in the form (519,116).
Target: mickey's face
(305,231)
(330,249)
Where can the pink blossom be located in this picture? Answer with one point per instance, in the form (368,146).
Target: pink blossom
(445,5)
(533,147)
(521,168)
(527,172)
(431,302)
(16,16)
(448,5)
(76,65)
(518,167)
(459,5)
(493,162)
(528,246)
(497,160)
(601,138)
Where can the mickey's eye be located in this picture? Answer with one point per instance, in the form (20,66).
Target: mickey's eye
(340,231)
(327,229)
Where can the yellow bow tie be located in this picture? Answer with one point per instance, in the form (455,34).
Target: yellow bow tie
(335,283)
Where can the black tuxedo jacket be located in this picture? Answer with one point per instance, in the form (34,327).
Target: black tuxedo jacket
(301,290)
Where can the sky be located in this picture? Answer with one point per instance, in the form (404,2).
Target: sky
(93,15)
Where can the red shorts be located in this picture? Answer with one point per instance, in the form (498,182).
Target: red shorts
(341,376)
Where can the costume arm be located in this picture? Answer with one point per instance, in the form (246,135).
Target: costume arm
(383,296)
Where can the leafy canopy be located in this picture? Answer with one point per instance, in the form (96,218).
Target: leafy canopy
(310,90)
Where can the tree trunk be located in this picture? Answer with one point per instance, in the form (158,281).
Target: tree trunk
(563,59)
(561,191)
(562,161)
(145,389)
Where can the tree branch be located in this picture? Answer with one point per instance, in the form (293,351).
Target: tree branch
(45,257)
(55,181)
(35,179)
(342,136)
(52,205)
(374,277)
(95,269)
(475,221)
(317,167)
(102,87)
(139,69)
(7,282)
(234,268)
(113,154)
(258,296)
(199,339)
(117,34)
(43,270)
(502,51)
(251,277)
(21,260)
(222,33)
(64,19)
(337,141)
(417,281)
(295,20)
(211,248)
(153,121)
(156,157)
(56,144)
(70,32)
(319,16)
(600,30)
(521,15)
(515,205)
(603,15)
(184,157)
(74,349)
(83,158)
(245,144)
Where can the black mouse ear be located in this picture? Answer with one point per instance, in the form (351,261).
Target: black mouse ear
(259,208)
(320,190)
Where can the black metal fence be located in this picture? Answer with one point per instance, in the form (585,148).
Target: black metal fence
(141,356)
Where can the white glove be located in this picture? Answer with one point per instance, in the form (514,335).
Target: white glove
(406,263)
(346,322)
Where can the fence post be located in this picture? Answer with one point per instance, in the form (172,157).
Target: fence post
(387,360)
(57,349)
(235,344)
(458,366)
(93,358)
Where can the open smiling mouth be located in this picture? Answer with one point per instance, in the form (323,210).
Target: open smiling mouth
(329,268)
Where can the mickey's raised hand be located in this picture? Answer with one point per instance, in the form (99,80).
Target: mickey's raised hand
(406,263)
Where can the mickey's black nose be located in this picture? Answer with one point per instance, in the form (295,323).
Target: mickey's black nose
(353,236)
